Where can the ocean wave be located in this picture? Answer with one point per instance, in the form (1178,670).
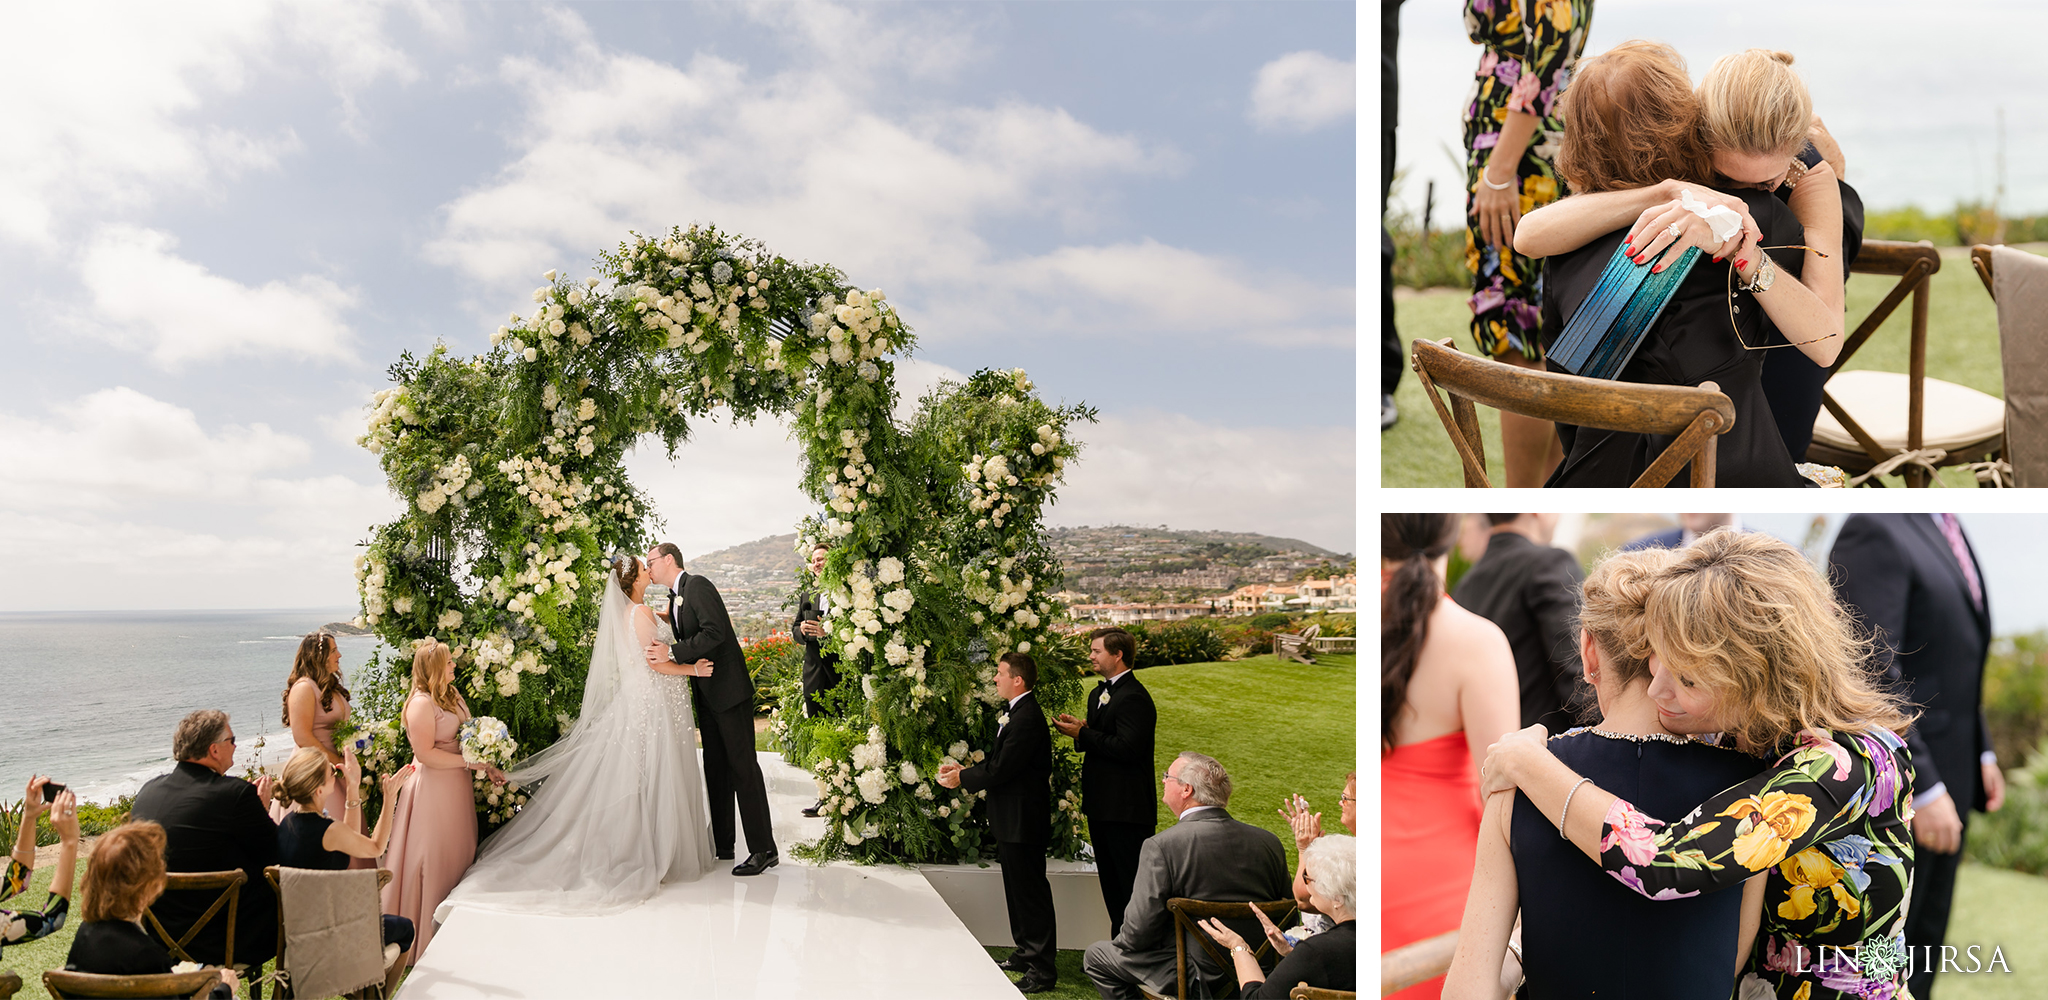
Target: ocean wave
(267,752)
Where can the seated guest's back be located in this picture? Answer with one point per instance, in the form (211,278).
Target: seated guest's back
(1326,961)
(1206,855)
(213,823)
(125,874)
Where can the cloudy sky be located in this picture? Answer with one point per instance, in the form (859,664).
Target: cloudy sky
(219,224)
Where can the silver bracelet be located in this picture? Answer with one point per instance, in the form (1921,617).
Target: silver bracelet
(1488,181)
(1567,810)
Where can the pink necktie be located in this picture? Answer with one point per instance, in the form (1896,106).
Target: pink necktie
(1954,531)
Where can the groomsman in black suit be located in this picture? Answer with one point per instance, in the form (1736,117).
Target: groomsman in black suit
(821,668)
(1914,580)
(1118,794)
(724,705)
(213,822)
(1017,775)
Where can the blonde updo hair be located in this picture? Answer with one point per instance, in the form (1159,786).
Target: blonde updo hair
(1747,617)
(1616,595)
(1752,103)
(305,777)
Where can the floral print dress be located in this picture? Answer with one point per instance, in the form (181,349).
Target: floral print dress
(1530,48)
(1829,822)
(18,926)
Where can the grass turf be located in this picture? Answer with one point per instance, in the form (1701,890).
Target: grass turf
(1998,908)
(1962,347)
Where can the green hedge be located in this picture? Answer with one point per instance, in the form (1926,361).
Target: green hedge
(2016,836)
(93,820)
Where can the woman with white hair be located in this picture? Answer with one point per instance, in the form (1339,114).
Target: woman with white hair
(1327,961)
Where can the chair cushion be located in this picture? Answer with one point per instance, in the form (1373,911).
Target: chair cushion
(1953,416)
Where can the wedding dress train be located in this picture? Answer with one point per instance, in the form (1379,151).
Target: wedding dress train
(622,807)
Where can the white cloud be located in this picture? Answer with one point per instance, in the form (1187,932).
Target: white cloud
(147,298)
(116,484)
(1302,91)
(804,161)
(1170,468)
(103,116)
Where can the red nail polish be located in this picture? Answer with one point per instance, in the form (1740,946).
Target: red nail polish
(1742,263)
(1659,269)
(1717,260)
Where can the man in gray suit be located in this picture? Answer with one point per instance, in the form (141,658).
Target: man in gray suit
(1206,855)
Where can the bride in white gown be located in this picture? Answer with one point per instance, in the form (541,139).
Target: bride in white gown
(622,810)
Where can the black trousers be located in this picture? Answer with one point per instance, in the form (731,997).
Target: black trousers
(731,771)
(1116,863)
(822,678)
(1934,888)
(1033,925)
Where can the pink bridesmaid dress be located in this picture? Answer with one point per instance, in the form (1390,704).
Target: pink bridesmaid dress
(325,722)
(433,832)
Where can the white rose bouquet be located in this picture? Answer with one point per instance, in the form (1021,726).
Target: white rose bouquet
(486,740)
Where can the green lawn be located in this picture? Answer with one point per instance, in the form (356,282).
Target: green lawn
(1962,335)
(2004,909)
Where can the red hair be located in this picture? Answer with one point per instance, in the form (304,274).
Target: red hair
(1631,120)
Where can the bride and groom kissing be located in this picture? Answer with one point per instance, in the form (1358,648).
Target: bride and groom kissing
(624,806)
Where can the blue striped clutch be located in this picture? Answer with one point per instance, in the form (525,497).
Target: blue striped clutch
(1603,335)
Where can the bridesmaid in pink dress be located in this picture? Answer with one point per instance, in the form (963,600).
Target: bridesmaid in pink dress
(315,704)
(433,834)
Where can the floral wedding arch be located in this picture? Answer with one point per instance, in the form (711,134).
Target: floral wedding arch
(511,466)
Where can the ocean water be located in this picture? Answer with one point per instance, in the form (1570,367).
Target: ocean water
(92,698)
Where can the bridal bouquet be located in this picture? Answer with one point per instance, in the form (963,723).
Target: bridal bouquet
(486,740)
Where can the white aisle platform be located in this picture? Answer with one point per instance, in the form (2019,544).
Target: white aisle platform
(839,930)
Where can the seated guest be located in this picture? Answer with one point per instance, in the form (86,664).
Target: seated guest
(125,874)
(1327,961)
(308,839)
(17,926)
(212,823)
(1205,855)
(1308,828)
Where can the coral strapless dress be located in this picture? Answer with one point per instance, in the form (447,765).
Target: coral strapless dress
(1429,833)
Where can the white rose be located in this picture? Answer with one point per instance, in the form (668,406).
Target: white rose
(530,354)
(549,275)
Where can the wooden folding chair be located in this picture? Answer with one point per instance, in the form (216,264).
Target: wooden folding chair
(1417,962)
(1186,916)
(1303,991)
(230,885)
(62,984)
(284,990)
(10,984)
(1696,417)
(1863,428)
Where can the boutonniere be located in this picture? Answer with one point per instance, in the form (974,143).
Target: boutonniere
(1103,702)
(1003,719)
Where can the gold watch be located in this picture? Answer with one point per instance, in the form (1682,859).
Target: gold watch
(1766,275)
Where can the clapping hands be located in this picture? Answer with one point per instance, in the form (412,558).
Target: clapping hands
(1307,826)
(949,774)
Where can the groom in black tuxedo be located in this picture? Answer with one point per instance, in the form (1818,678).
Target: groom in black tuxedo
(724,706)
(1118,793)
(1017,775)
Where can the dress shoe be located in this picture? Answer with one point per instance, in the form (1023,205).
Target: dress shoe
(757,863)
(1036,983)
(812,810)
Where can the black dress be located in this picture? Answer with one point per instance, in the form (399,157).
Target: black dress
(1587,934)
(1792,382)
(121,948)
(299,846)
(1326,961)
(1692,342)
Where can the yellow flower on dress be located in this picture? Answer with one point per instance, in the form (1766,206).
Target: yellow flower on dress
(1511,24)
(1559,12)
(1767,826)
(1537,191)
(1810,870)
(1471,264)
(1805,990)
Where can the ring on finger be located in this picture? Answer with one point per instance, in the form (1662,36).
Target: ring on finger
(1673,229)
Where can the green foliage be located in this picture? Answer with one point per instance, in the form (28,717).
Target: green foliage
(772,662)
(1272,620)
(1435,261)
(93,820)
(511,467)
(1160,643)
(2016,836)
(2016,696)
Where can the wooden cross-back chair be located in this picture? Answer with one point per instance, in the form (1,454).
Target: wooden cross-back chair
(63,985)
(1187,914)
(1417,962)
(284,989)
(1695,417)
(230,885)
(1863,429)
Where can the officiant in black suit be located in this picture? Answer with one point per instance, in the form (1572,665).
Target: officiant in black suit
(213,822)
(1017,774)
(821,668)
(1913,579)
(724,705)
(1118,794)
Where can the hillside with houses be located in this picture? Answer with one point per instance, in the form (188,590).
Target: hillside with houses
(1115,573)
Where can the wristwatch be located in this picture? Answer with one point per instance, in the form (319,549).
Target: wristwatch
(1766,275)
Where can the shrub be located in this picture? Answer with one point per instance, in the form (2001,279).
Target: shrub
(93,820)
(1163,643)
(2016,696)
(1273,621)
(2016,836)
(770,662)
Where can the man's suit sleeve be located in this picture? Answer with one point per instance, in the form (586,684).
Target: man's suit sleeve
(1013,755)
(1553,602)
(1146,922)
(713,625)
(1871,577)
(1130,740)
